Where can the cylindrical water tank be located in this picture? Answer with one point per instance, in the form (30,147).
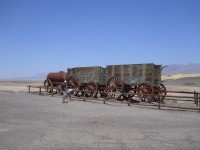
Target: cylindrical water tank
(57,76)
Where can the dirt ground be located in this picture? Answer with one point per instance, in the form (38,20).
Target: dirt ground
(30,121)
(33,122)
(18,85)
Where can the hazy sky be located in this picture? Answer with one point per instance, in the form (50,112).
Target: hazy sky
(38,36)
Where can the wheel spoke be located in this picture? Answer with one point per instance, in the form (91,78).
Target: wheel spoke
(114,88)
(162,91)
(73,83)
(144,92)
(91,89)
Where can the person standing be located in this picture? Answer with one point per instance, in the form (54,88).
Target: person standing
(64,89)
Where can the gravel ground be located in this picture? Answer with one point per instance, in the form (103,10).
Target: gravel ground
(34,122)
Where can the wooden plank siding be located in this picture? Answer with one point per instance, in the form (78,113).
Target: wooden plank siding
(136,73)
(129,74)
(94,74)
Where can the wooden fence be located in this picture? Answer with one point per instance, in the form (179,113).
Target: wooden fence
(186,100)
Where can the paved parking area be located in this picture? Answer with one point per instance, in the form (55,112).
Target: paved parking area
(34,122)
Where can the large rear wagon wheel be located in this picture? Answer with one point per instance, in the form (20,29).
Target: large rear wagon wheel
(144,92)
(114,88)
(73,83)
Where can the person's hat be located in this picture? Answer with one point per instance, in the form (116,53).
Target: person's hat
(65,81)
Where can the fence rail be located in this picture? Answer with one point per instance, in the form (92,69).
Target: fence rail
(189,97)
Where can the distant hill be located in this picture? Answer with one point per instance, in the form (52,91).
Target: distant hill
(181,69)
(40,76)
(179,76)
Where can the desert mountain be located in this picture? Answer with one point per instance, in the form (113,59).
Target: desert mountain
(181,69)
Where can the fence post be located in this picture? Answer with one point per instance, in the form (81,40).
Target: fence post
(70,96)
(104,100)
(195,98)
(158,100)
(40,90)
(29,88)
(199,101)
(104,97)
(129,100)
(84,99)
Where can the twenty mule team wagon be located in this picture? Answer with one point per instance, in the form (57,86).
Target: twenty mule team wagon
(115,81)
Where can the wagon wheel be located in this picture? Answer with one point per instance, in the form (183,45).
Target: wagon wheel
(48,85)
(91,89)
(73,83)
(114,88)
(143,91)
(161,92)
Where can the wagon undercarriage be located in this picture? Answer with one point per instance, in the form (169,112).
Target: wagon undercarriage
(115,89)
